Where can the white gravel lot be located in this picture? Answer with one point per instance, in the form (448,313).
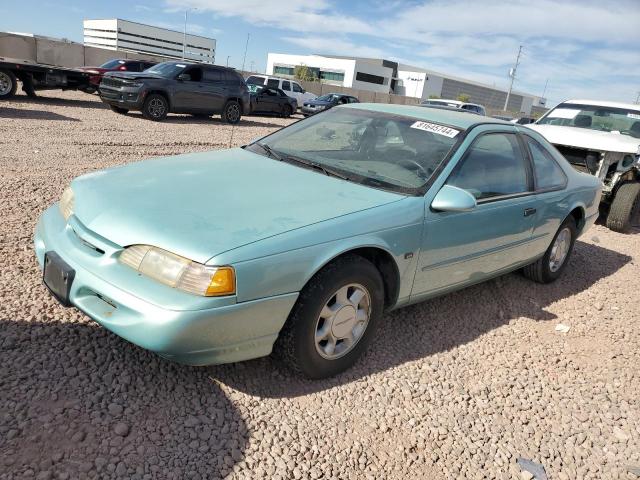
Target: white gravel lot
(458,387)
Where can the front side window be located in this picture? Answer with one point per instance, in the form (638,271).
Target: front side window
(286,86)
(273,83)
(296,88)
(549,175)
(493,166)
(380,149)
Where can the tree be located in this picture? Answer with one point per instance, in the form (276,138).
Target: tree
(303,73)
(463,97)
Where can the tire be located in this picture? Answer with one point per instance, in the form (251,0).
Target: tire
(231,113)
(27,87)
(287,111)
(298,345)
(90,90)
(120,110)
(156,107)
(625,208)
(541,270)
(8,84)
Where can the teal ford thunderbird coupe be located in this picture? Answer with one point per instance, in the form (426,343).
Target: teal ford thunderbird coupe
(297,243)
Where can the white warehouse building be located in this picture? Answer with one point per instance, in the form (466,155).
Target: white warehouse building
(385,76)
(117,34)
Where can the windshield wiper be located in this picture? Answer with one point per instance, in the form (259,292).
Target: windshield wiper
(269,151)
(316,166)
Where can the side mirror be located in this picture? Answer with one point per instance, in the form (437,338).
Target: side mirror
(184,77)
(453,199)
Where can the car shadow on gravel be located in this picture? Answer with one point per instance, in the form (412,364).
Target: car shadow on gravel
(423,330)
(60,102)
(21,113)
(78,402)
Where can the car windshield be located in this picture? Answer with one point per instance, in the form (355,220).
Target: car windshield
(112,64)
(167,69)
(625,121)
(379,149)
(329,97)
(255,80)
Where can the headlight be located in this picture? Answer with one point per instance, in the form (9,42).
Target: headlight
(179,272)
(66,203)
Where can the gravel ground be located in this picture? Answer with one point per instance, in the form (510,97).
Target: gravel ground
(458,387)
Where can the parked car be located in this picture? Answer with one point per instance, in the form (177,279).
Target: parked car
(504,118)
(288,86)
(471,107)
(300,241)
(447,107)
(271,100)
(115,65)
(178,87)
(326,102)
(524,120)
(602,139)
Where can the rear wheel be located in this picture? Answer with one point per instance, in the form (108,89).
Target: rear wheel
(156,107)
(8,84)
(334,318)
(625,208)
(231,112)
(550,266)
(120,110)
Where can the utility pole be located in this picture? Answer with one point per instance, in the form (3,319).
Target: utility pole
(228,56)
(244,59)
(638,99)
(251,67)
(512,74)
(545,88)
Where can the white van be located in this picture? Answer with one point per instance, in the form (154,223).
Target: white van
(290,87)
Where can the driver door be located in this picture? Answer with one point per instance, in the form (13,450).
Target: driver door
(462,248)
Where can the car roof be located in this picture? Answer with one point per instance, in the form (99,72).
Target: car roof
(601,103)
(455,118)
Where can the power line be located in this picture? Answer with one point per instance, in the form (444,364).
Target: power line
(512,74)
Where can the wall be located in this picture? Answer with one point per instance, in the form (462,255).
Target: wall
(373,69)
(339,65)
(413,83)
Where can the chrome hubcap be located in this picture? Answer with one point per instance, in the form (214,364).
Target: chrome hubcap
(156,107)
(233,112)
(560,249)
(342,321)
(5,83)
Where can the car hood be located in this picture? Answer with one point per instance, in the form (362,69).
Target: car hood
(132,75)
(202,204)
(585,138)
(318,102)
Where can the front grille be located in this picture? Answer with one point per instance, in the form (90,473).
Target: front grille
(114,82)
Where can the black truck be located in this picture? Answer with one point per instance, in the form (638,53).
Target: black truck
(37,76)
(178,87)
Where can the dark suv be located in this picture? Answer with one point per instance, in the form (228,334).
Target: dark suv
(178,87)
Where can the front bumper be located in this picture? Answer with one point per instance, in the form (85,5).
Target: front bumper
(131,99)
(182,327)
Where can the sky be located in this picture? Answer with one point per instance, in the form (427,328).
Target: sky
(583,48)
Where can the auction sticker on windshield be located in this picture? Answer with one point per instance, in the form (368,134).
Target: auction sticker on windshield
(434,128)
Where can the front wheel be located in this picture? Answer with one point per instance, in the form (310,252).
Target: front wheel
(334,318)
(8,84)
(625,208)
(231,112)
(287,111)
(156,107)
(550,266)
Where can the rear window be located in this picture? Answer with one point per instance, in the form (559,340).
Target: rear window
(253,80)
(273,83)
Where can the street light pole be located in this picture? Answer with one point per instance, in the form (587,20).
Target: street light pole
(228,56)
(184,34)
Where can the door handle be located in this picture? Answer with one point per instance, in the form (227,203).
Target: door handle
(529,211)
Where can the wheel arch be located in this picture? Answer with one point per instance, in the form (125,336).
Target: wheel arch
(578,212)
(380,257)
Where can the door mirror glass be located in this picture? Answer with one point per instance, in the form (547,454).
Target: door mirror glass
(453,199)
(184,77)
